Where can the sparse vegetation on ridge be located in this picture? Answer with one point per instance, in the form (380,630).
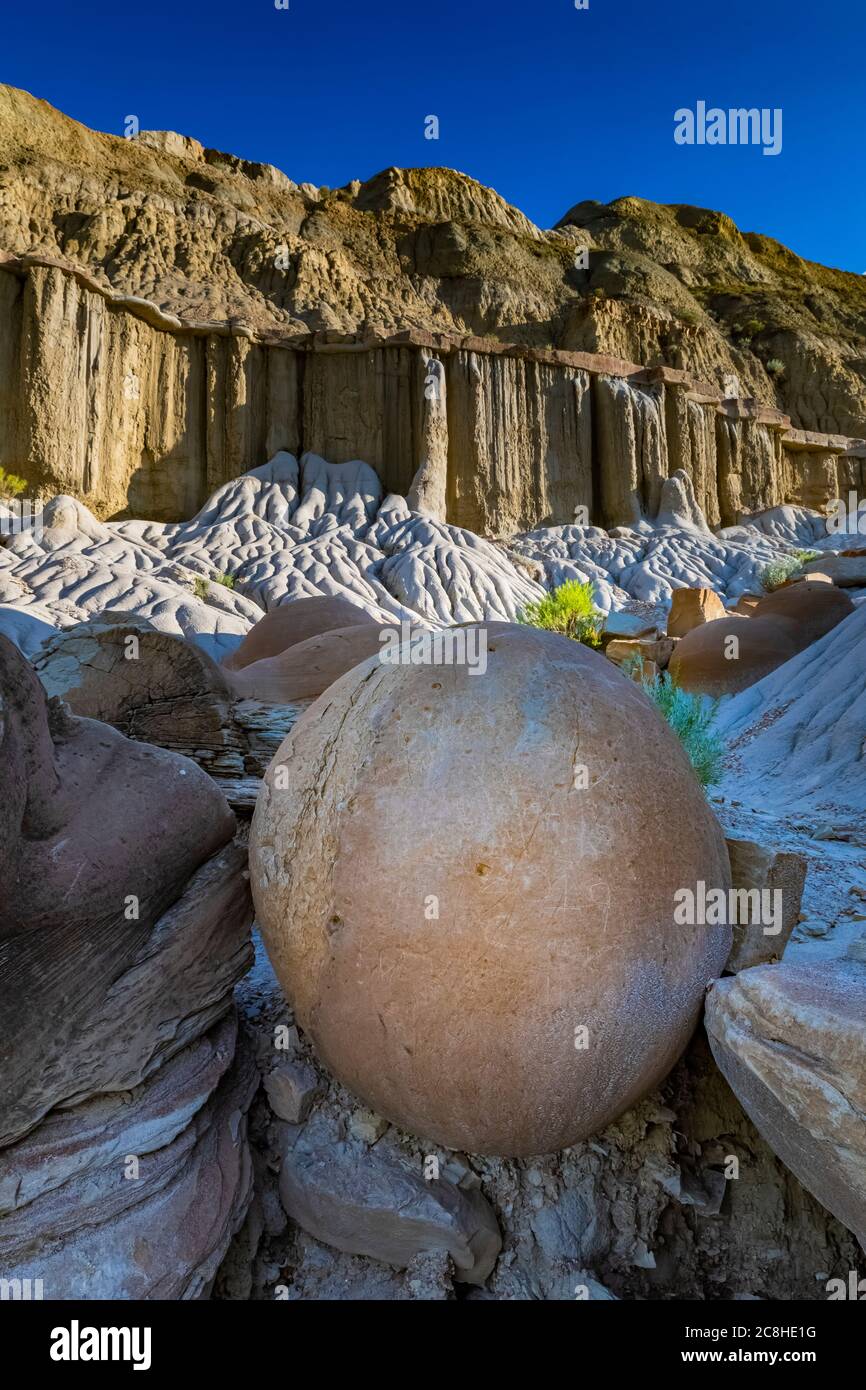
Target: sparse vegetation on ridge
(773,576)
(202,586)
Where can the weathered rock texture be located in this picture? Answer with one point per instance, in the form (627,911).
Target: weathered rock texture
(791,1041)
(145,419)
(502,943)
(796,738)
(679,1198)
(372,1203)
(172,315)
(124,925)
(135,1195)
(160,689)
(757,869)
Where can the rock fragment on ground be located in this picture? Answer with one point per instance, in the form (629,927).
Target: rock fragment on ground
(791,1041)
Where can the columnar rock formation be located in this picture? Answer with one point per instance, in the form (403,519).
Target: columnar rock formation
(171,315)
(209,237)
(107,399)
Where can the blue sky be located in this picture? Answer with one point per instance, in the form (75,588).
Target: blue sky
(547,104)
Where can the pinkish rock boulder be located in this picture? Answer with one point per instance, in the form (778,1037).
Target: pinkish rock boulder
(124,925)
(292,623)
(528,952)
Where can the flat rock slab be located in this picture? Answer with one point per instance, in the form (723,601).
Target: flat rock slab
(367,1202)
(757,869)
(791,1042)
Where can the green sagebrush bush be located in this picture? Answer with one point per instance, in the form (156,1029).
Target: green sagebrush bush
(691,717)
(569,610)
(775,575)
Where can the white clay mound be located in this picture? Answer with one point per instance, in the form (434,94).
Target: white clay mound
(796,737)
(291,530)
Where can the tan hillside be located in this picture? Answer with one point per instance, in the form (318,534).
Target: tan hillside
(208,236)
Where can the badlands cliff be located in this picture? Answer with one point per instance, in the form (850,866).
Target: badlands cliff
(173,316)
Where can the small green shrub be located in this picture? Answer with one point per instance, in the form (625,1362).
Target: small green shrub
(568,610)
(776,367)
(10,485)
(773,576)
(691,717)
(202,586)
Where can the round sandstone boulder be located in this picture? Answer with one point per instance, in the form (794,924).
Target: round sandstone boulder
(304,671)
(292,623)
(466,884)
(732,653)
(816,608)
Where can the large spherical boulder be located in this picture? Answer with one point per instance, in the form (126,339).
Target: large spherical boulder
(306,670)
(733,653)
(292,623)
(466,884)
(816,608)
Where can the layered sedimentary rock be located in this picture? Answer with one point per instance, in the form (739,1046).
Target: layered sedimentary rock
(124,925)
(791,1041)
(207,236)
(135,1195)
(137,416)
(522,960)
(161,689)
